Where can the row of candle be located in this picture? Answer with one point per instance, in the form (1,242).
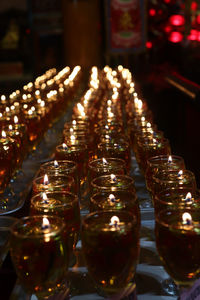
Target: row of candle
(27,113)
(174,194)
(57,188)
(107,123)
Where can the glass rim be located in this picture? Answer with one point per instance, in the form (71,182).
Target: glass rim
(35,180)
(22,222)
(114,145)
(133,219)
(168,211)
(61,161)
(163,158)
(72,148)
(74,198)
(110,159)
(167,172)
(130,179)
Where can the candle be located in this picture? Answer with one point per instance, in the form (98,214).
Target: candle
(53,183)
(105,236)
(178,243)
(39,254)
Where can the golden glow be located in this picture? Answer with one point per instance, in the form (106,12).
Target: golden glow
(46,179)
(186,218)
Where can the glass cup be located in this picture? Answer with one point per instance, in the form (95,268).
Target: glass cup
(116,201)
(39,254)
(53,183)
(112,183)
(162,162)
(62,204)
(110,243)
(59,167)
(178,243)
(105,166)
(151,147)
(116,150)
(167,179)
(76,153)
(176,197)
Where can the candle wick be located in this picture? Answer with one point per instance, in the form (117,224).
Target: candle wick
(46,226)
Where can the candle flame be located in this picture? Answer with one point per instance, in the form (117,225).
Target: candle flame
(45,223)
(113,177)
(188,197)
(56,164)
(10,127)
(71,130)
(64,146)
(3,134)
(109,102)
(74,122)
(73,138)
(139,104)
(187,219)
(111,198)
(16,120)
(46,179)
(104,161)
(180,173)
(170,159)
(114,221)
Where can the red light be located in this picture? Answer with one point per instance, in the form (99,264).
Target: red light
(193,36)
(198,19)
(167,29)
(152,12)
(28,31)
(194,5)
(198,36)
(177,20)
(149,44)
(175,37)
(167,1)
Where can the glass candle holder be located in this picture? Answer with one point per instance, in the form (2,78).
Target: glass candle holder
(53,183)
(7,163)
(166,179)
(76,153)
(162,162)
(105,166)
(112,183)
(62,204)
(176,198)
(39,254)
(149,148)
(59,167)
(110,243)
(116,150)
(116,201)
(178,243)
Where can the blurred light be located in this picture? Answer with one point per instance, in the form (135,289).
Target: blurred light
(193,36)
(194,5)
(149,44)
(177,20)
(152,12)
(175,37)
(198,19)
(168,29)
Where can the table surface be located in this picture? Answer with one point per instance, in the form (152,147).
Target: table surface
(150,273)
